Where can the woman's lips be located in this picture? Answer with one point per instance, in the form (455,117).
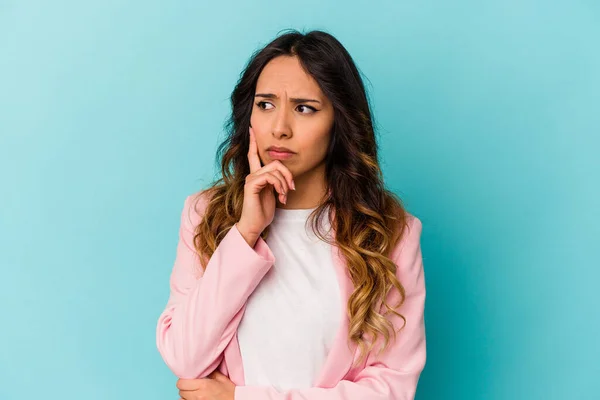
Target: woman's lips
(279,155)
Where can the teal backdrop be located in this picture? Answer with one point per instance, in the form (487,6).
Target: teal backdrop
(488,117)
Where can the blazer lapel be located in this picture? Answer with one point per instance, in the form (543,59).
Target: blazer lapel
(341,355)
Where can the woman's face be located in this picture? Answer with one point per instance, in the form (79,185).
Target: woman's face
(291,111)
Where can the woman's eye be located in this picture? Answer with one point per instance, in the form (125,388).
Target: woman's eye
(307,108)
(261,103)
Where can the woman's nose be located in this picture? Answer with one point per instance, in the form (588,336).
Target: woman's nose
(281,123)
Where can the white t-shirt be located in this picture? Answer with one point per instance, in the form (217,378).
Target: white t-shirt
(293,315)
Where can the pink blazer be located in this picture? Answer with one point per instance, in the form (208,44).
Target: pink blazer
(197,331)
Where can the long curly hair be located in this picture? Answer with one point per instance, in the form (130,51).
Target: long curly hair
(368,219)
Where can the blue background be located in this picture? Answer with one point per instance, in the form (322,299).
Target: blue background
(488,115)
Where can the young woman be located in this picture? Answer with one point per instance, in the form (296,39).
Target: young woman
(297,275)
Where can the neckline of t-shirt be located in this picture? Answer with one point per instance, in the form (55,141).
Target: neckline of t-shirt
(293,213)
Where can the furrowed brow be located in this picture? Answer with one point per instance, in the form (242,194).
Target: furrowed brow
(292,99)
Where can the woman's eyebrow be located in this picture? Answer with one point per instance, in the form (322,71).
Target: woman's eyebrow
(292,99)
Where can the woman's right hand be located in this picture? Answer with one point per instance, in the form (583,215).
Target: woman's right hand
(259,197)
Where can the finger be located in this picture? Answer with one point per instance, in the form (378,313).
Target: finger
(188,394)
(193,394)
(215,375)
(282,197)
(276,181)
(188,384)
(221,377)
(253,158)
(282,188)
(279,166)
(281,178)
(260,181)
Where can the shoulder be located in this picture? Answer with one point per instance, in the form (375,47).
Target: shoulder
(414,226)
(409,243)
(409,226)
(194,206)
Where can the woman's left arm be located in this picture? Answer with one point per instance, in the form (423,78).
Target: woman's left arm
(396,373)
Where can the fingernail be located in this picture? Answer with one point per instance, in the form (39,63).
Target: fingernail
(293,185)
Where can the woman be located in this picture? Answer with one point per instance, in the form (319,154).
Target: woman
(311,283)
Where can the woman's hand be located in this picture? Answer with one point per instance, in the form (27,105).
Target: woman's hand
(259,199)
(215,387)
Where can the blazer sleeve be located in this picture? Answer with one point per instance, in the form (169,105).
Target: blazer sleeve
(396,373)
(205,308)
